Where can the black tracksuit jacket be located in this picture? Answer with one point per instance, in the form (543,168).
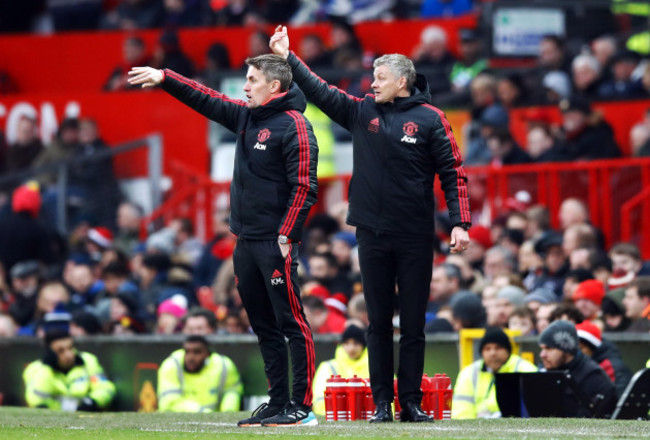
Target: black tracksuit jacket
(398,149)
(274,181)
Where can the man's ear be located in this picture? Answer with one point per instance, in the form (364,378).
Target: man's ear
(275,86)
(402,83)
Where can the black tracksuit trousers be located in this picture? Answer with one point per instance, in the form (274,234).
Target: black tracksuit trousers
(268,286)
(385,258)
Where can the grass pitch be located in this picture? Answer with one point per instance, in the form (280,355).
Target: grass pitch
(23,423)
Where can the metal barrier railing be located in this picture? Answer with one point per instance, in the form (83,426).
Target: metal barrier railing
(62,170)
(609,188)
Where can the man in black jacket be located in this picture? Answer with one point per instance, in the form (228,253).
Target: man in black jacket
(400,142)
(592,394)
(274,185)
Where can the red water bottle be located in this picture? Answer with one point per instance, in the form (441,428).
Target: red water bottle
(369,402)
(448,394)
(427,392)
(398,407)
(336,402)
(356,388)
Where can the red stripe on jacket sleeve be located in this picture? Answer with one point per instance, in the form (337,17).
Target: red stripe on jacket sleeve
(461,176)
(303,174)
(322,81)
(203,89)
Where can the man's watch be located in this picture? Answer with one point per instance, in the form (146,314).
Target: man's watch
(283,239)
(465,225)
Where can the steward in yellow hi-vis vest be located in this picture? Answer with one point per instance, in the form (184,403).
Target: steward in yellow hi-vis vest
(193,379)
(475,394)
(67,379)
(350,359)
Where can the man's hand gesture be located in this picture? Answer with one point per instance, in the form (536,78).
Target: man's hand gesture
(147,76)
(279,42)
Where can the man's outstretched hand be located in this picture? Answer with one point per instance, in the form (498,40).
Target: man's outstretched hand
(147,76)
(279,42)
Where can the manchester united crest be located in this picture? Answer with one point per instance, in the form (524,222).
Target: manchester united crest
(265,133)
(410,128)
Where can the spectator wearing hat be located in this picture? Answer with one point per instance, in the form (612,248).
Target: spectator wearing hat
(22,237)
(470,62)
(614,311)
(67,379)
(557,86)
(623,84)
(84,323)
(99,239)
(637,304)
(195,379)
(586,135)
(170,315)
(588,297)
(320,317)
(350,359)
(474,392)
(605,354)
(467,311)
(480,241)
(595,394)
(507,300)
(342,244)
(538,297)
(24,278)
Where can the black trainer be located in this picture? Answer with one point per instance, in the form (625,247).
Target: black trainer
(293,414)
(261,412)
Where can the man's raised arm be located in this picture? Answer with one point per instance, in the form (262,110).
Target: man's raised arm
(210,103)
(334,102)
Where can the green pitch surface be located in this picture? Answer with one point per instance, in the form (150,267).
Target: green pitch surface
(22,423)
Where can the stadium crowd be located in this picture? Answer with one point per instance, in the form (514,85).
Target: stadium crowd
(518,273)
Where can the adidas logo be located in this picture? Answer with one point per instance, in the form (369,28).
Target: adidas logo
(276,278)
(374,125)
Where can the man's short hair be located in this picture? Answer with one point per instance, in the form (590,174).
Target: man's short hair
(274,67)
(642,285)
(314,303)
(400,65)
(328,256)
(203,313)
(569,311)
(451,270)
(197,339)
(627,249)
